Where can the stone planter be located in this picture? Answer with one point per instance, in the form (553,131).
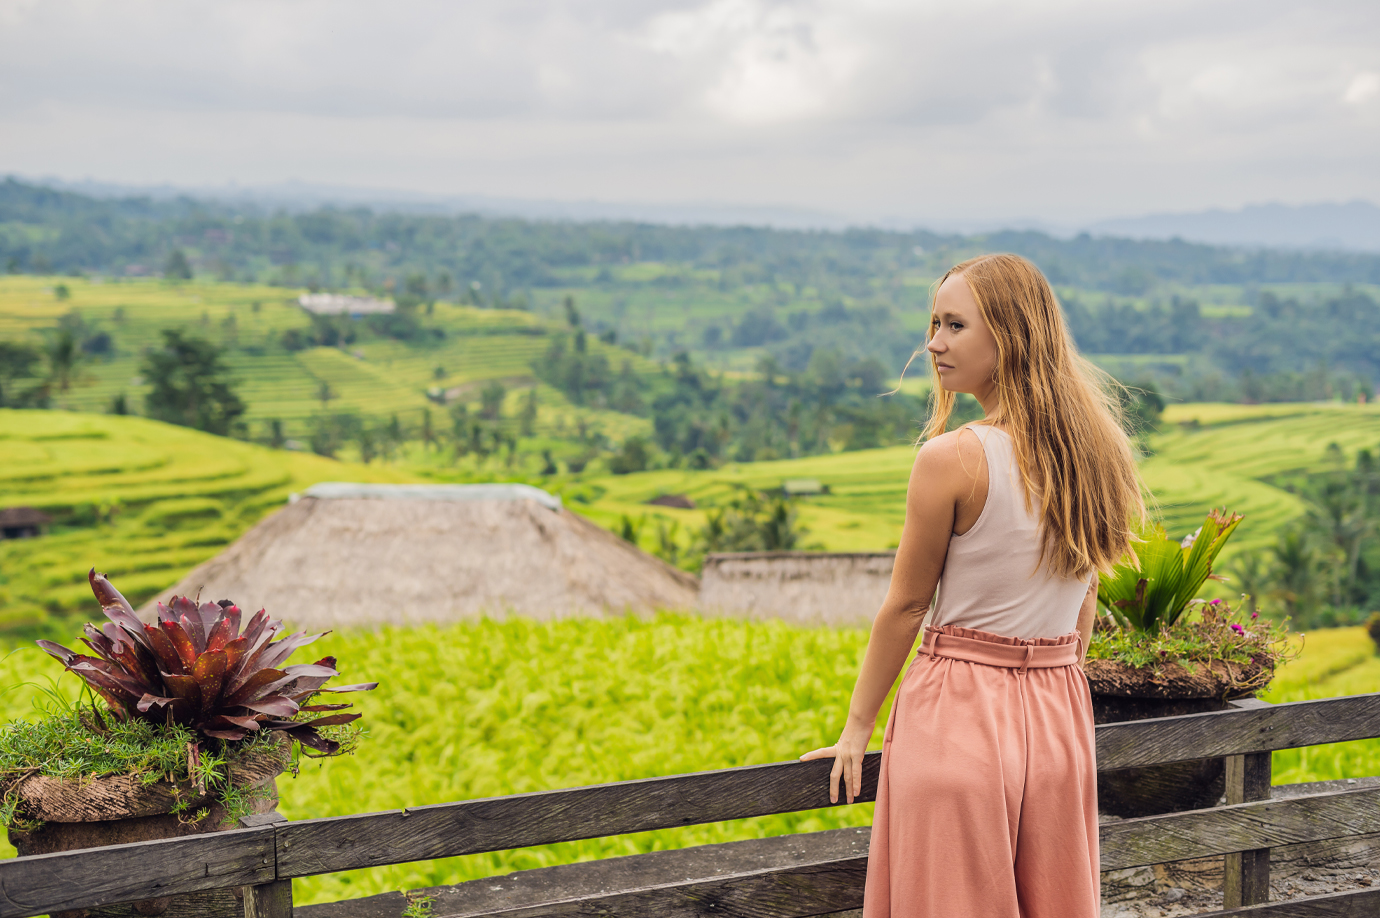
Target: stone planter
(1121,693)
(118,809)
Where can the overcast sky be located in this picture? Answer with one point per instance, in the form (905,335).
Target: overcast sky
(963,110)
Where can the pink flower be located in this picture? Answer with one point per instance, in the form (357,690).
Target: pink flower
(1215,602)
(1237,628)
(1255,615)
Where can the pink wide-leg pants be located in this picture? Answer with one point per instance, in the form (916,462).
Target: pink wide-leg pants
(987,798)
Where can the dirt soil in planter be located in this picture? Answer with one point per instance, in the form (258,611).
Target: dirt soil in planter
(1176,680)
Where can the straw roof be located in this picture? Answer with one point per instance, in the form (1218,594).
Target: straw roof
(807,587)
(23,516)
(354,555)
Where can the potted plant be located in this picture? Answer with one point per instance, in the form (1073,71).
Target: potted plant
(1160,650)
(185,725)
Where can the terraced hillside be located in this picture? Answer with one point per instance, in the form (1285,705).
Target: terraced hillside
(142,500)
(375,376)
(1206,455)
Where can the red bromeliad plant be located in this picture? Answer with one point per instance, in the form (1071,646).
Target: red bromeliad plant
(195,668)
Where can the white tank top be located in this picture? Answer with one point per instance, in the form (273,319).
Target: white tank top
(993,578)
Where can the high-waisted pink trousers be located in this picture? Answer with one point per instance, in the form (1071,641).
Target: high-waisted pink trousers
(987,799)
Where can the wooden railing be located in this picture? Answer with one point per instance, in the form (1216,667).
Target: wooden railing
(790,876)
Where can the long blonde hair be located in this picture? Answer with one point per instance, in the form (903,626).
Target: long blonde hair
(1062,413)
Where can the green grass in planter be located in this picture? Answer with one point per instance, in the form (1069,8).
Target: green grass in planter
(67,746)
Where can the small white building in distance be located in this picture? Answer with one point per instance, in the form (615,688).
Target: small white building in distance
(337,304)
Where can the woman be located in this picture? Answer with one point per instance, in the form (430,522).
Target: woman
(987,797)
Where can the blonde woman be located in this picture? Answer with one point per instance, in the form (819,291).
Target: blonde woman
(987,798)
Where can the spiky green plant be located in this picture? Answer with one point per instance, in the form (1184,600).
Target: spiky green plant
(1165,575)
(195,669)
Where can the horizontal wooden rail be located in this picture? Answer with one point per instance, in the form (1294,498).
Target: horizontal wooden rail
(1241,827)
(788,876)
(1237,731)
(43,883)
(122,873)
(1360,903)
(499,823)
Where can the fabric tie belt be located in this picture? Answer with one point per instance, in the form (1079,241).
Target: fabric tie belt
(1018,656)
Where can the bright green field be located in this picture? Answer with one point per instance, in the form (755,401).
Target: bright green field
(487,708)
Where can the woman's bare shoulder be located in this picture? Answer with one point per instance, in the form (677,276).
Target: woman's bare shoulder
(956,454)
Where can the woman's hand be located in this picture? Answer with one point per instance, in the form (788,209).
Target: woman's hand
(848,758)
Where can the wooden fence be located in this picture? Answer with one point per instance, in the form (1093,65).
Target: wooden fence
(790,876)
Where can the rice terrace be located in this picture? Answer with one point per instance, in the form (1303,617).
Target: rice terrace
(505,491)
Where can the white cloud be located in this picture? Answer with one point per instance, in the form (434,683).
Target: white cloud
(1362,88)
(919,108)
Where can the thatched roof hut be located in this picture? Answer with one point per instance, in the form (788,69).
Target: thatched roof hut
(22,522)
(345,554)
(800,586)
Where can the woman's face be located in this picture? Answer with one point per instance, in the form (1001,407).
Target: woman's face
(961,342)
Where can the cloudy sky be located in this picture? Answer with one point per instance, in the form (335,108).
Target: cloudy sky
(1054,110)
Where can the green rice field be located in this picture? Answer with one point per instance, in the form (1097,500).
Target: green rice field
(490,708)
(148,501)
(139,499)
(1206,455)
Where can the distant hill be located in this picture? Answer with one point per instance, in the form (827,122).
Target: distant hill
(44,230)
(1354,226)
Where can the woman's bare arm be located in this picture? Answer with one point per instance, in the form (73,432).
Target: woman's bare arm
(942,484)
(1087,614)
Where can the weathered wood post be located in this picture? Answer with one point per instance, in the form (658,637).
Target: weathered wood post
(274,898)
(1246,875)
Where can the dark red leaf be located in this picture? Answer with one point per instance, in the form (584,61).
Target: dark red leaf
(211,613)
(152,701)
(232,615)
(184,688)
(186,650)
(110,633)
(357,687)
(253,687)
(109,674)
(257,622)
(249,662)
(57,650)
(182,605)
(227,734)
(164,651)
(227,721)
(221,634)
(310,669)
(209,671)
(308,736)
(324,707)
(274,704)
(333,720)
(115,606)
(277,653)
(191,623)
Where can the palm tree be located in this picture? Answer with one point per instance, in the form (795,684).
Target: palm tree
(65,359)
(1294,573)
(1252,574)
(1339,514)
